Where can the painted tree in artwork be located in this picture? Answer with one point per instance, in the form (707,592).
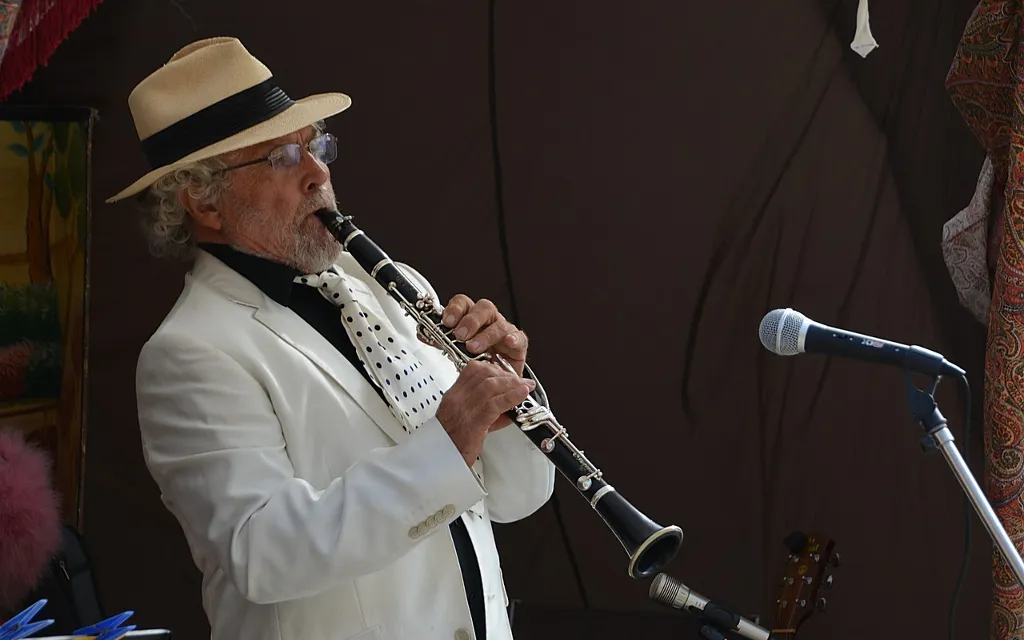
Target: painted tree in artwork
(66,184)
(37,151)
(42,322)
(30,327)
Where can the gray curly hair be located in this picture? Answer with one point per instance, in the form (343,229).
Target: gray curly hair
(166,224)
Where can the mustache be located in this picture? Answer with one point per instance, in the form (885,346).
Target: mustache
(319,201)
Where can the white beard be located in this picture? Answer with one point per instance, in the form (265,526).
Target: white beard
(308,250)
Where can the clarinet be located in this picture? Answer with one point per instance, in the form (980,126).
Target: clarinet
(650,546)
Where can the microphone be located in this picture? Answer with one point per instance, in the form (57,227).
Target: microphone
(787,332)
(667,590)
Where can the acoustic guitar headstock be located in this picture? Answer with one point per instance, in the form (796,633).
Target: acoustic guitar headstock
(808,571)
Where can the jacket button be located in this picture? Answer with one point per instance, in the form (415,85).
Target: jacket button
(462,634)
(414,533)
(449,511)
(422,529)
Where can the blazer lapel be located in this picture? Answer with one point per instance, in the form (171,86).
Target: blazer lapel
(294,331)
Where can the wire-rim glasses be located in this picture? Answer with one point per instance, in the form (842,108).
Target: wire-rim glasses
(324,148)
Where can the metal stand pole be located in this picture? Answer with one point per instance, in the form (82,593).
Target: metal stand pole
(938,435)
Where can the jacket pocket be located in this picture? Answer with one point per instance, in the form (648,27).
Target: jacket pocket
(373,633)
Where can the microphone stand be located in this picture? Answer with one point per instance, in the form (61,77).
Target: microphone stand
(717,622)
(938,435)
(711,633)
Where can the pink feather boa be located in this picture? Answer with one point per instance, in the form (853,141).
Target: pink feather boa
(30,527)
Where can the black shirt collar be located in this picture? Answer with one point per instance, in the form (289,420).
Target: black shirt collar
(273,278)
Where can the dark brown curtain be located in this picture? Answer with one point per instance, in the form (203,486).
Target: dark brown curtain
(638,184)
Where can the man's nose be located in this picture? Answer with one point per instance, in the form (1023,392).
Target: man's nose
(315,173)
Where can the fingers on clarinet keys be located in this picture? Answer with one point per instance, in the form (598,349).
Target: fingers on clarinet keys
(476,402)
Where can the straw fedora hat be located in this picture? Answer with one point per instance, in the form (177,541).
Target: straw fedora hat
(213,97)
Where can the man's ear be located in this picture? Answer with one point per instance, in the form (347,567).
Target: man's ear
(205,214)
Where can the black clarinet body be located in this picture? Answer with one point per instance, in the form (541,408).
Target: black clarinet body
(649,545)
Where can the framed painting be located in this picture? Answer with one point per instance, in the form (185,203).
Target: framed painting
(45,176)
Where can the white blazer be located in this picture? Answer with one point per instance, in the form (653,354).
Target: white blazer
(310,512)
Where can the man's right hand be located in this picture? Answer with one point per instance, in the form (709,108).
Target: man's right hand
(476,403)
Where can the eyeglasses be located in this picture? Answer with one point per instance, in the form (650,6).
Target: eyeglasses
(324,148)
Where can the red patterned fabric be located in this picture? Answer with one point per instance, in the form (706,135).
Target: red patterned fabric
(8,16)
(29,35)
(987,86)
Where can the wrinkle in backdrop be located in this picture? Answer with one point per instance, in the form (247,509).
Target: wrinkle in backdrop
(732,166)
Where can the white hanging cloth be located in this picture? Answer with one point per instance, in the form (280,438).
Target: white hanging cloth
(863,42)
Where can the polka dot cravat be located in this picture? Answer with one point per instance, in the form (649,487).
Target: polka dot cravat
(411,391)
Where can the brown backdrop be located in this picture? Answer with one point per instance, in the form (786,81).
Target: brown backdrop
(664,175)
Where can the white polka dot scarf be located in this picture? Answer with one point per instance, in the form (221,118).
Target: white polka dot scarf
(408,386)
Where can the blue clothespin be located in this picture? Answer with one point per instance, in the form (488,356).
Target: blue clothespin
(19,626)
(115,634)
(109,629)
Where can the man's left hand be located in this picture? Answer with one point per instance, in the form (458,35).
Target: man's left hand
(482,327)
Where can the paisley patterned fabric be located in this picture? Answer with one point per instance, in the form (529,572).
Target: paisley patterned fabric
(8,15)
(987,87)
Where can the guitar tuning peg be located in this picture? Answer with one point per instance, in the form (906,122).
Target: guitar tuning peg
(835,560)
(827,584)
(795,542)
(821,605)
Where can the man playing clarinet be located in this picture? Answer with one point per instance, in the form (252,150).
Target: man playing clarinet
(335,477)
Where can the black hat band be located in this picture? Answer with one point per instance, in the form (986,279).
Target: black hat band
(219,121)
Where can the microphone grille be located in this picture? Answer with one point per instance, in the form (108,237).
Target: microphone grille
(780,331)
(664,589)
